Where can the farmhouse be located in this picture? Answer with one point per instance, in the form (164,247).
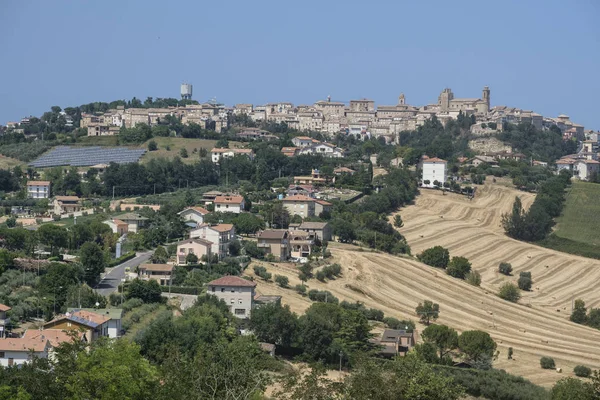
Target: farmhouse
(233,204)
(38,189)
(66,204)
(160,273)
(194,214)
(434,170)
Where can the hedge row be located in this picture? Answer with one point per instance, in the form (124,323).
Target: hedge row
(122,259)
(180,289)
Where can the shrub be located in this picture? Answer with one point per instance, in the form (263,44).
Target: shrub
(320,275)
(510,353)
(122,259)
(179,289)
(374,314)
(282,280)
(474,278)
(300,289)
(152,146)
(547,363)
(458,267)
(436,257)
(582,371)
(505,268)
(394,323)
(510,292)
(525,281)
(259,271)
(322,296)
(183,153)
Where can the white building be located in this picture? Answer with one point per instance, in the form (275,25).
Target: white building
(194,214)
(38,189)
(113,325)
(232,204)
(585,168)
(18,351)
(434,169)
(218,153)
(303,141)
(236,292)
(219,235)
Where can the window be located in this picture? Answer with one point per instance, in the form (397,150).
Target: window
(213,289)
(240,311)
(240,301)
(1,354)
(232,290)
(222,290)
(232,301)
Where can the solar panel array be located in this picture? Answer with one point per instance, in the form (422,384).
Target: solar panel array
(87,156)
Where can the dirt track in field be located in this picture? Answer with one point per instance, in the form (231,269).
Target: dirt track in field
(534,327)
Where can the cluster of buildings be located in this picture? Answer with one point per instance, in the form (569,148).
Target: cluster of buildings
(583,164)
(83,324)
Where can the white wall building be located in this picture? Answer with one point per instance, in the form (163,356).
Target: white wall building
(236,292)
(194,214)
(434,169)
(232,204)
(220,235)
(18,351)
(38,189)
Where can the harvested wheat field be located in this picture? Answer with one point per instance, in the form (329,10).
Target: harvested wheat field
(395,285)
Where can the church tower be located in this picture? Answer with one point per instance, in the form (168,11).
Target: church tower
(401,100)
(486,97)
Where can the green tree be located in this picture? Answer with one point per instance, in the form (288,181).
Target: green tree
(514,223)
(11,221)
(305,272)
(398,223)
(274,323)
(183,153)
(246,224)
(282,281)
(579,312)
(191,258)
(593,318)
(152,146)
(344,230)
(311,385)
(54,236)
(147,291)
(572,388)
(474,278)
(444,338)
(458,267)
(525,281)
(93,262)
(436,257)
(476,345)
(505,268)
(160,255)
(510,292)
(428,311)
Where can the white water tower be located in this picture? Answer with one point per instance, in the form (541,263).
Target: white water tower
(186,91)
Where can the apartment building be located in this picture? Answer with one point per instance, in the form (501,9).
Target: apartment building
(38,189)
(219,235)
(236,292)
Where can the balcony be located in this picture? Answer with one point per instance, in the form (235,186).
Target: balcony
(264,245)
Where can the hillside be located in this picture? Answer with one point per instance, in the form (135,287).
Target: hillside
(176,144)
(396,285)
(581,214)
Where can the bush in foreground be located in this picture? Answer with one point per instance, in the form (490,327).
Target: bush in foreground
(437,256)
(582,371)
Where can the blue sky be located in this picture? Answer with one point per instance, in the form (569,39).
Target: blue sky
(538,55)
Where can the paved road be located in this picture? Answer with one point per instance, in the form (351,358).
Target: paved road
(112,278)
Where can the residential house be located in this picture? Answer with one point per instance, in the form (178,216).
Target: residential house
(290,151)
(300,244)
(322,206)
(55,336)
(478,160)
(194,214)
(38,189)
(209,197)
(303,206)
(304,141)
(583,169)
(565,164)
(304,190)
(313,179)
(18,351)
(324,149)
(218,153)
(236,292)
(66,204)
(229,203)
(198,247)
(343,170)
(396,342)
(434,170)
(134,221)
(161,273)
(219,235)
(117,226)
(91,325)
(319,230)
(4,320)
(115,315)
(275,242)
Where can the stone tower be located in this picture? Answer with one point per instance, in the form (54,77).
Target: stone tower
(401,99)
(444,99)
(486,96)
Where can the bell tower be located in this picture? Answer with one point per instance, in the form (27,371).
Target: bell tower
(401,99)
(486,96)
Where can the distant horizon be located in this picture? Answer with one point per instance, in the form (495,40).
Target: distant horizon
(539,55)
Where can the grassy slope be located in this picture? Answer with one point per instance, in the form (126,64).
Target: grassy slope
(581,215)
(176,144)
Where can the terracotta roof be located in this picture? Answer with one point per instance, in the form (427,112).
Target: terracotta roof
(434,159)
(229,199)
(4,307)
(303,138)
(119,222)
(298,197)
(313,225)
(222,227)
(23,344)
(39,183)
(157,267)
(232,281)
(566,161)
(284,149)
(273,234)
(82,317)
(67,198)
(55,336)
(201,210)
(344,169)
(323,202)
(196,240)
